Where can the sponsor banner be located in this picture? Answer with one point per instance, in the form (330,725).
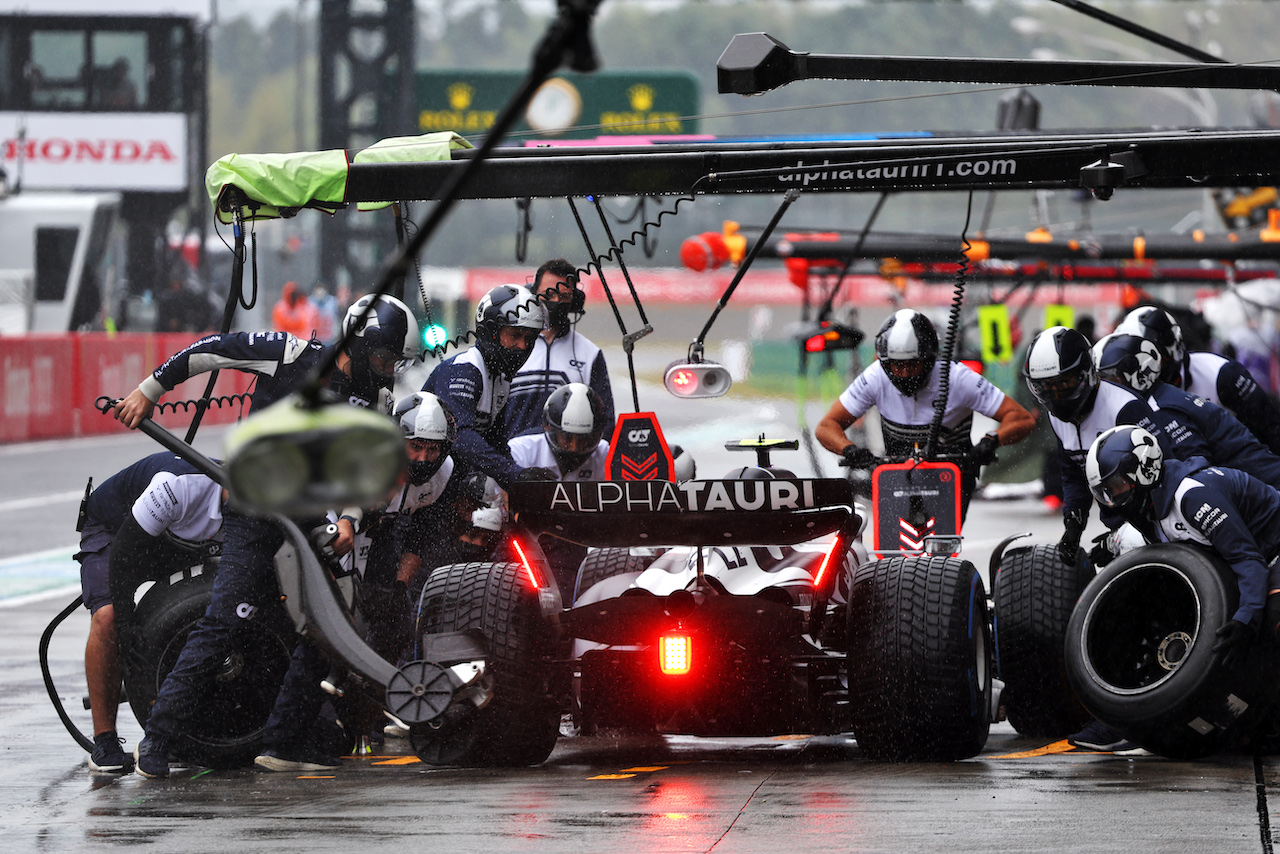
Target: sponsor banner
(95,151)
(691,496)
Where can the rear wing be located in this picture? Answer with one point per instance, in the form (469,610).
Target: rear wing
(696,512)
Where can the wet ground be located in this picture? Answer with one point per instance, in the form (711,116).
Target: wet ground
(604,794)
(599,794)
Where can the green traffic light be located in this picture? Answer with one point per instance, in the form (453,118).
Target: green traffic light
(434,336)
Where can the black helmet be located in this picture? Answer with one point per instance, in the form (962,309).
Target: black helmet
(573,421)
(907,346)
(506,305)
(385,343)
(1130,360)
(1158,327)
(1059,370)
(1122,466)
(423,417)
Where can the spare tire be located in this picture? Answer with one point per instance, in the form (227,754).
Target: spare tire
(1035,593)
(1140,657)
(226,730)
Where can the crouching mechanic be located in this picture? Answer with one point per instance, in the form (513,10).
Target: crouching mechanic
(1061,373)
(903,384)
(475,384)
(570,446)
(382,343)
(1170,500)
(379,538)
(137,525)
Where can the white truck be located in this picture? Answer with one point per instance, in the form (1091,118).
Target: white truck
(61,261)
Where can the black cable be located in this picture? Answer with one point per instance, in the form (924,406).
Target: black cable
(45,638)
(949,346)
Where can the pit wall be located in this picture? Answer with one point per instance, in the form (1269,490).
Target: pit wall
(50,381)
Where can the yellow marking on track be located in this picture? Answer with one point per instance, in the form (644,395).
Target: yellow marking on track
(316,777)
(399,760)
(611,777)
(799,737)
(644,769)
(1047,750)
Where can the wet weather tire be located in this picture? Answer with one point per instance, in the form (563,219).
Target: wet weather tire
(1035,593)
(606,563)
(1140,656)
(520,724)
(226,731)
(919,659)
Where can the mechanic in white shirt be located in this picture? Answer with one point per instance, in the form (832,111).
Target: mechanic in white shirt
(903,385)
(571,448)
(139,524)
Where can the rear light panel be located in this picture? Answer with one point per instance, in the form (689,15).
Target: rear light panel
(675,654)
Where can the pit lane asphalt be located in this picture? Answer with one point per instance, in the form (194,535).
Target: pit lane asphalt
(603,794)
(599,794)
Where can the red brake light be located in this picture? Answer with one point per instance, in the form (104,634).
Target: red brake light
(675,654)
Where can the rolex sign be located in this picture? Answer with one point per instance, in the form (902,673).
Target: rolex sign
(568,106)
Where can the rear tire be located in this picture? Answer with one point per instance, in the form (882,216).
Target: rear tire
(1035,593)
(520,724)
(226,730)
(606,563)
(1140,656)
(919,659)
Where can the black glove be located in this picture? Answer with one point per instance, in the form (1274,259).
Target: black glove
(1101,554)
(1069,546)
(1235,640)
(984,453)
(858,458)
(1271,616)
(536,473)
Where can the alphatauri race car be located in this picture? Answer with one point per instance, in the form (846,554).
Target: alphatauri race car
(739,606)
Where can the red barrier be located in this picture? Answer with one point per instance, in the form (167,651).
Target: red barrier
(50,382)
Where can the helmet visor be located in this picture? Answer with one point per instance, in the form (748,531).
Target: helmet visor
(1059,393)
(1115,490)
(384,363)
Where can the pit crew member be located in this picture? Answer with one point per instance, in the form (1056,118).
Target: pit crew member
(137,524)
(560,355)
(902,384)
(476,383)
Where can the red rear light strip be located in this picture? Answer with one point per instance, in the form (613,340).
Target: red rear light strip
(528,567)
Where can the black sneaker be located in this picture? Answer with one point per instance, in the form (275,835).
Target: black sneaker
(152,755)
(1098,736)
(306,759)
(108,756)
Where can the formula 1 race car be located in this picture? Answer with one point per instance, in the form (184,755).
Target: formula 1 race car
(741,606)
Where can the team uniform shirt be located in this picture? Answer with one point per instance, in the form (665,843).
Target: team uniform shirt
(905,419)
(187,506)
(535,450)
(1113,405)
(570,358)
(477,397)
(280,361)
(1229,384)
(1235,514)
(164,493)
(409,509)
(1195,427)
